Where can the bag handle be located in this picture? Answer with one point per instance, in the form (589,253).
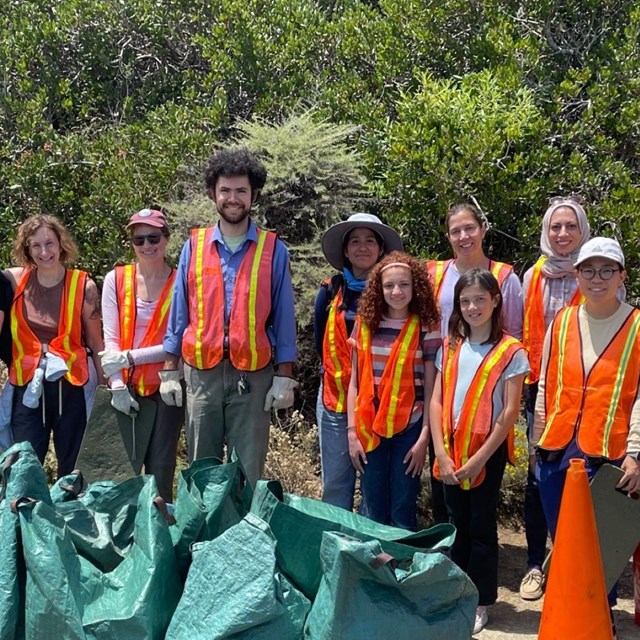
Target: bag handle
(18,502)
(381,560)
(6,465)
(160,504)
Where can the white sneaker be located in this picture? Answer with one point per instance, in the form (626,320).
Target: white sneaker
(481,619)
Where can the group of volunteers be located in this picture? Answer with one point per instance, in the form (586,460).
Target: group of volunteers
(421,360)
(415,366)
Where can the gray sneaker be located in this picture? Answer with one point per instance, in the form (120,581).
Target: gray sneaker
(532,585)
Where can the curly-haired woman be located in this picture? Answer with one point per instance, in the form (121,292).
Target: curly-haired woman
(395,341)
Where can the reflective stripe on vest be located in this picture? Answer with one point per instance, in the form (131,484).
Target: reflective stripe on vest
(203,341)
(396,390)
(605,397)
(27,349)
(436,270)
(336,358)
(533,327)
(143,377)
(476,419)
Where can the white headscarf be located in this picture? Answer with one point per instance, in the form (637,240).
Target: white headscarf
(557,266)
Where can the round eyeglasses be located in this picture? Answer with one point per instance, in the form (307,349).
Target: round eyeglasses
(604,273)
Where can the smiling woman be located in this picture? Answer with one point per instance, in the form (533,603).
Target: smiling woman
(135,303)
(55,327)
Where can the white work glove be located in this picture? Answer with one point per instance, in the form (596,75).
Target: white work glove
(114,361)
(170,389)
(280,395)
(123,401)
(32,393)
(55,367)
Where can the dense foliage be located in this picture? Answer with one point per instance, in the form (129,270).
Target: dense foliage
(107,105)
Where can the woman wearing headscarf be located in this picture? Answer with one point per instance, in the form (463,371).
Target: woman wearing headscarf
(548,286)
(352,247)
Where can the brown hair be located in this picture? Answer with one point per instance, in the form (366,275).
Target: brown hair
(471,209)
(423,302)
(20,250)
(459,328)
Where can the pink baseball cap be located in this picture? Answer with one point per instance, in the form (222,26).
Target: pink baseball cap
(152,217)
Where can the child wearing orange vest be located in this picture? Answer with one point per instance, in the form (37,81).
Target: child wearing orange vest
(475,403)
(395,340)
(587,405)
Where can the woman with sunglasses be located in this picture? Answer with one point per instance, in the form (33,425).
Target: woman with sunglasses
(467,227)
(135,303)
(548,286)
(55,327)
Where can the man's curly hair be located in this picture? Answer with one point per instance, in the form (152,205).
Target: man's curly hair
(423,303)
(237,161)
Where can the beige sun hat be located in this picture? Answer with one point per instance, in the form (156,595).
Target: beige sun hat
(333,238)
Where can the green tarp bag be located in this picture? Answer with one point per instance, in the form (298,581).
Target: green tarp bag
(234,590)
(298,524)
(210,498)
(68,597)
(364,594)
(22,474)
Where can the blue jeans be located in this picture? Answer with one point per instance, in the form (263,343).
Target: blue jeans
(389,494)
(551,477)
(338,473)
(535,523)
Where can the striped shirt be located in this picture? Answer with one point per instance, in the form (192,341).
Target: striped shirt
(381,346)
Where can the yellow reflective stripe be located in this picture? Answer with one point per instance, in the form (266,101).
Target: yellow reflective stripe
(533,285)
(17,362)
(333,352)
(562,339)
(482,383)
(129,288)
(446,385)
(71,298)
(199,296)
(253,295)
(617,387)
(397,374)
(362,428)
(437,277)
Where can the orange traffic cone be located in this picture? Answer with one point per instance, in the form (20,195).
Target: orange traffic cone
(575,602)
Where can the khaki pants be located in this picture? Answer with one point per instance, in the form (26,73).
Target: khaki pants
(218,414)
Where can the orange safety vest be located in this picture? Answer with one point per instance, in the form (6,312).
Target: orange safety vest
(203,341)
(143,377)
(396,391)
(68,344)
(533,328)
(476,416)
(438,268)
(604,398)
(336,358)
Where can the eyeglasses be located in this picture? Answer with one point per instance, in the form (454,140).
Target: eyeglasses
(605,273)
(152,238)
(573,197)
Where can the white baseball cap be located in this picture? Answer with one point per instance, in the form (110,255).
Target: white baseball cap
(600,248)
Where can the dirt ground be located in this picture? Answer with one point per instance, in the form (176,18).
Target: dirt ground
(514,619)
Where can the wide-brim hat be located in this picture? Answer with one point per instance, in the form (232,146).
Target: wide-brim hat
(333,238)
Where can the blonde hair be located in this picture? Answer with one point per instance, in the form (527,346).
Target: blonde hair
(20,250)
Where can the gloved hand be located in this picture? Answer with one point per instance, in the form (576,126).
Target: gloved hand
(280,395)
(123,401)
(114,361)
(170,389)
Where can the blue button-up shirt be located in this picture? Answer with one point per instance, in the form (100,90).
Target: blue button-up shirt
(282,323)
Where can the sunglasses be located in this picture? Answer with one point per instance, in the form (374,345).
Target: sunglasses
(575,198)
(152,238)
